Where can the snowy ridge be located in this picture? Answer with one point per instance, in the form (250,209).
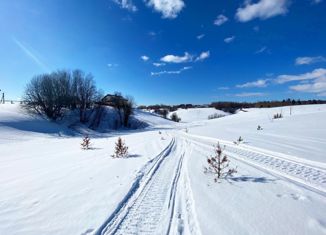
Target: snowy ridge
(307,175)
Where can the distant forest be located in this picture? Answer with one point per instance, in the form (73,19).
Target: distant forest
(231,107)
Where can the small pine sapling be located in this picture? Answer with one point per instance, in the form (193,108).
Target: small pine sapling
(278,115)
(219,165)
(121,150)
(86,142)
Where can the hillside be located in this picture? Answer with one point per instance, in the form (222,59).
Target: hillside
(197,114)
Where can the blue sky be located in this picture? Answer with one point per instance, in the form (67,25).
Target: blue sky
(170,51)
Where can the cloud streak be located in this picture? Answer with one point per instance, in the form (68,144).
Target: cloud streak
(309,60)
(30,54)
(171,72)
(258,83)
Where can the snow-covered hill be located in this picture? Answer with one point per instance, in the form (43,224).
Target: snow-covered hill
(302,134)
(197,114)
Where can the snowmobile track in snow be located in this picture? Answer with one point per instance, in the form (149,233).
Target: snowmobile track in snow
(304,174)
(149,205)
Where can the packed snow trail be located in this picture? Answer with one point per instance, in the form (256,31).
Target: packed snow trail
(305,174)
(149,207)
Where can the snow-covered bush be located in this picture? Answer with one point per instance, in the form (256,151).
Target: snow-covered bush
(219,165)
(121,150)
(175,117)
(86,142)
(259,128)
(215,115)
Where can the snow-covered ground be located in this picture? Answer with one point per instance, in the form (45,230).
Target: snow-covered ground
(49,185)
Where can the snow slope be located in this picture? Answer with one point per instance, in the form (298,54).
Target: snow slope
(49,185)
(302,134)
(196,114)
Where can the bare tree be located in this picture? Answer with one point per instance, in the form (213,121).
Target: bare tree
(128,107)
(49,93)
(84,92)
(45,94)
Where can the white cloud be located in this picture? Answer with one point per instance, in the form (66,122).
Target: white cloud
(221,19)
(169,8)
(316,86)
(258,83)
(200,36)
(126,4)
(315,74)
(313,82)
(170,72)
(144,58)
(204,55)
(250,94)
(30,54)
(159,64)
(229,39)
(263,9)
(177,59)
(309,60)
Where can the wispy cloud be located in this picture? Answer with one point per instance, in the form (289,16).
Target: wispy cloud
(316,86)
(203,56)
(229,39)
(159,64)
(261,50)
(309,60)
(312,82)
(186,58)
(168,8)
(250,94)
(126,4)
(262,9)
(30,54)
(220,19)
(315,74)
(171,71)
(258,83)
(177,59)
(223,88)
(200,36)
(316,1)
(144,57)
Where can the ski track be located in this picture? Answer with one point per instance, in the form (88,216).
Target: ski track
(150,208)
(313,177)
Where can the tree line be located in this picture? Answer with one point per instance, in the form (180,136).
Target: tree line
(228,106)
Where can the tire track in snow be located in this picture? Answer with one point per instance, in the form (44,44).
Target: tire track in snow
(307,175)
(148,207)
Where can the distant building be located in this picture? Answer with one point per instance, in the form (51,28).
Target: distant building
(112,100)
